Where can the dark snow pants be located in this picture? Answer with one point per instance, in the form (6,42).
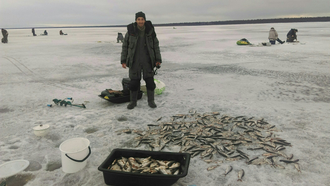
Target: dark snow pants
(4,40)
(290,39)
(273,41)
(141,65)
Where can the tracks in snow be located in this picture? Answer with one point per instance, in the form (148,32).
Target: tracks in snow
(19,65)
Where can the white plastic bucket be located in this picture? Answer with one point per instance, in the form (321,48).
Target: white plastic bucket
(74,153)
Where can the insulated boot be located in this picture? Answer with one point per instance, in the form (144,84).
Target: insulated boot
(151,98)
(133,98)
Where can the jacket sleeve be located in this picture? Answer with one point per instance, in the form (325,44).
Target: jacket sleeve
(158,57)
(124,50)
(289,33)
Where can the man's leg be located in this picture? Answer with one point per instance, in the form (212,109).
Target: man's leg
(5,39)
(150,84)
(134,87)
(278,39)
(289,39)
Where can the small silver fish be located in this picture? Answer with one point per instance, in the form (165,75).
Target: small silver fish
(153,164)
(127,167)
(174,165)
(163,170)
(135,165)
(121,162)
(279,166)
(240,175)
(296,165)
(233,159)
(290,161)
(212,167)
(229,168)
(115,167)
(208,161)
(176,172)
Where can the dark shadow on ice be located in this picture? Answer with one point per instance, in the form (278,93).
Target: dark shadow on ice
(33,166)
(51,166)
(20,179)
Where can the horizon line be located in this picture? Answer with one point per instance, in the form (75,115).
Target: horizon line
(238,21)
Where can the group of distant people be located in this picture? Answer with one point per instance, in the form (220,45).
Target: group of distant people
(273,36)
(46,33)
(34,33)
(5,34)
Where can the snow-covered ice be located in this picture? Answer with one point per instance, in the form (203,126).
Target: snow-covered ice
(288,85)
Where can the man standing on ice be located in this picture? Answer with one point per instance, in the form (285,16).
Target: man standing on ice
(141,53)
(33,32)
(5,36)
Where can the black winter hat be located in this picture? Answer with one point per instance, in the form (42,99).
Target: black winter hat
(140,14)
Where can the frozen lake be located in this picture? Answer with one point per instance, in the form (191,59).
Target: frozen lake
(204,70)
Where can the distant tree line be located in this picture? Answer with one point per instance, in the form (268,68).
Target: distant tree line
(252,21)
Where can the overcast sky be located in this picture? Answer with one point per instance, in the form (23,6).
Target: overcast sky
(37,13)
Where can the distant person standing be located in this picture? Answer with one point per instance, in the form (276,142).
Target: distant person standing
(45,33)
(5,36)
(273,36)
(292,35)
(141,54)
(120,37)
(33,32)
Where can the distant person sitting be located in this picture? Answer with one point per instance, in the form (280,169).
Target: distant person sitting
(292,35)
(45,33)
(5,36)
(33,32)
(273,36)
(120,37)
(61,33)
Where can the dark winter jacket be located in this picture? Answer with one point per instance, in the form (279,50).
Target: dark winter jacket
(4,33)
(292,34)
(120,36)
(130,43)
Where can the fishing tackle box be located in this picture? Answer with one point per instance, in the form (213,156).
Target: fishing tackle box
(120,178)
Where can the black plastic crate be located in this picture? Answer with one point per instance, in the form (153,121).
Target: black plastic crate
(119,178)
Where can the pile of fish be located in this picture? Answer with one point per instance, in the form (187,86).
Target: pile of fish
(211,135)
(145,165)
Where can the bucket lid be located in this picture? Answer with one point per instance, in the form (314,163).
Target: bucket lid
(13,167)
(41,127)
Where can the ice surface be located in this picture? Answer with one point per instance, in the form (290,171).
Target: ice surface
(203,69)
